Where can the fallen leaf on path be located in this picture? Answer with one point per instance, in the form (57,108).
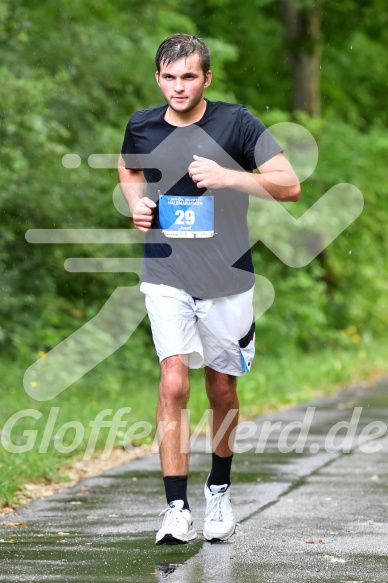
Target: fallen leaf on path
(10,523)
(7,509)
(335,559)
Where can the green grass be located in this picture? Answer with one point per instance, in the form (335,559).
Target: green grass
(273,383)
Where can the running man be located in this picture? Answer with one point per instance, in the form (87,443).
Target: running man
(197,273)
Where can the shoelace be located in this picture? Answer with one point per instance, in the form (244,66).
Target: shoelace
(214,505)
(169,517)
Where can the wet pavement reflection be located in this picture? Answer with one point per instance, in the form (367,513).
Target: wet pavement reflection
(77,558)
(104,528)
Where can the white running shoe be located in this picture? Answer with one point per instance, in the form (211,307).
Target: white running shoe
(219,520)
(177,527)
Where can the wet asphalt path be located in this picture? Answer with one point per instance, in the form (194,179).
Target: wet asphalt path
(313,516)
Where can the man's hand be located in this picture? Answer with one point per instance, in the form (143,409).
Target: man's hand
(143,213)
(207,173)
(276,179)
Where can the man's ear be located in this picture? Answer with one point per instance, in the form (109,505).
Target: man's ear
(208,79)
(157,77)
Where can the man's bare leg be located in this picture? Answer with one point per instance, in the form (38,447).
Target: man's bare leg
(173,434)
(171,417)
(221,389)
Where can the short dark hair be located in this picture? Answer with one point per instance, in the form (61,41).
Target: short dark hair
(181,45)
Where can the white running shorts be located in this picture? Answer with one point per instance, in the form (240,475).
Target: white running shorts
(218,333)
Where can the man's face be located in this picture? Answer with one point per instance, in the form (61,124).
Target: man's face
(182,83)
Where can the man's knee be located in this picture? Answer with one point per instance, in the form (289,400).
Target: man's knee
(174,381)
(220,387)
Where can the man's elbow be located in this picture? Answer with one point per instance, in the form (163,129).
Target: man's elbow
(293,193)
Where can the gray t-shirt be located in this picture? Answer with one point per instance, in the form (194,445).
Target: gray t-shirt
(216,266)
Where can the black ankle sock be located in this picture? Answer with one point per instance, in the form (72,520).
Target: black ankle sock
(220,472)
(176,489)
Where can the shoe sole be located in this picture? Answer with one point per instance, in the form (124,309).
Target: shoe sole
(169,539)
(216,539)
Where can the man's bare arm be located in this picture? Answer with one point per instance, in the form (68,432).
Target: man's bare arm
(277,179)
(132,183)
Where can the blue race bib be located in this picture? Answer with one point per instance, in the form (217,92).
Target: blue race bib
(186,216)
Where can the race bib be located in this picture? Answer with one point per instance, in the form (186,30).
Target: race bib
(186,216)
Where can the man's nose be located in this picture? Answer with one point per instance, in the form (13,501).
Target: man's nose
(178,86)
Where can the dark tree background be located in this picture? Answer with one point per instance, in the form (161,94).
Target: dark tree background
(73,72)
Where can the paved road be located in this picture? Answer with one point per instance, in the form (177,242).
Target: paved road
(318,514)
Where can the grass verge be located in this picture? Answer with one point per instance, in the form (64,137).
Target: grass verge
(40,441)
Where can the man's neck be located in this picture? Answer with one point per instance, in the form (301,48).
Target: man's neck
(187,118)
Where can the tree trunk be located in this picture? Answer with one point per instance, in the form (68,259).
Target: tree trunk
(303,46)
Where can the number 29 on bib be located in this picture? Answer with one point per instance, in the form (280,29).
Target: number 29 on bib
(186,216)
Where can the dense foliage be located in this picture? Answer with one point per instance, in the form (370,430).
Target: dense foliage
(71,75)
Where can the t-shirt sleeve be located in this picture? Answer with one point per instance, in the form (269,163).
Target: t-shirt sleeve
(128,149)
(259,145)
